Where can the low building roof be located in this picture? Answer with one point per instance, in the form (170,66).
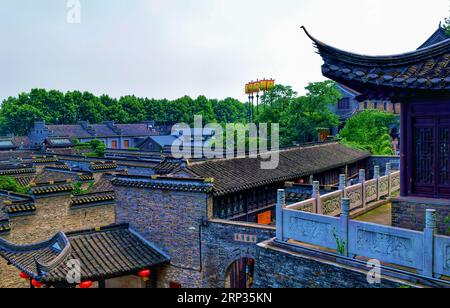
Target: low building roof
(7,145)
(233,175)
(103,253)
(103,130)
(59,143)
(68,131)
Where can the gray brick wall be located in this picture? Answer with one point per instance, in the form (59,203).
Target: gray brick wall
(221,249)
(171,221)
(382,161)
(409,214)
(281,270)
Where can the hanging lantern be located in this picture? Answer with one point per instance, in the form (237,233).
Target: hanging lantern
(24,275)
(85,284)
(263,85)
(247,89)
(145,274)
(36,284)
(256,87)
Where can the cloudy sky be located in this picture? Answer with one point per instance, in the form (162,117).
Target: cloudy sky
(169,48)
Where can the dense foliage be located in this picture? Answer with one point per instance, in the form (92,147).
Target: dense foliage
(369,130)
(446,26)
(299,116)
(10,184)
(96,148)
(17,114)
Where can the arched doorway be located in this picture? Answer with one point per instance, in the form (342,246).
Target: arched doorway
(240,274)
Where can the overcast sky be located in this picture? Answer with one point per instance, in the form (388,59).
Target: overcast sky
(170,48)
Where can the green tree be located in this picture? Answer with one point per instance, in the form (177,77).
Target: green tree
(17,114)
(446,26)
(229,110)
(18,119)
(369,130)
(98,147)
(299,117)
(10,184)
(308,113)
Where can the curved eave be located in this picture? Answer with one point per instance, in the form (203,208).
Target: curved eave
(412,57)
(20,256)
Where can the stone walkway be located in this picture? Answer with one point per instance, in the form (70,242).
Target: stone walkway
(381,216)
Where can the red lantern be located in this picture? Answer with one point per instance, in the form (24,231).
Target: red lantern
(145,274)
(86,284)
(37,284)
(24,275)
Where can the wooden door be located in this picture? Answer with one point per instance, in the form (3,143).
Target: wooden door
(424,168)
(431,162)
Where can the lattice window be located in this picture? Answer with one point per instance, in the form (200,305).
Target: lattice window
(424,168)
(344,104)
(444,155)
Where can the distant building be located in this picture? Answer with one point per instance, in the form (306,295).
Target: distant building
(349,106)
(115,136)
(198,139)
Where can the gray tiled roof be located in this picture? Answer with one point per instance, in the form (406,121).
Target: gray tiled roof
(233,175)
(100,130)
(105,253)
(424,69)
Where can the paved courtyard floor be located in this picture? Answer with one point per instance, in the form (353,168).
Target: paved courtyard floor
(381,215)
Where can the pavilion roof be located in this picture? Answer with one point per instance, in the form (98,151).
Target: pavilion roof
(103,253)
(425,69)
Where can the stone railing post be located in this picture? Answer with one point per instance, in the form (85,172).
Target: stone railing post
(345,216)
(428,243)
(362,180)
(388,173)
(377,175)
(281,205)
(342,183)
(388,169)
(316,195)
(376,172)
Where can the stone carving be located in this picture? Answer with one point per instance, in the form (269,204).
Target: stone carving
(390,247)
(309,208)
(331,205)
(355,196)
(313,230)
(395,182)
(447,257)
(371,191)
(384,186)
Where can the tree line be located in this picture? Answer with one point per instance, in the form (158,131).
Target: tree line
(299,116)
(17,114)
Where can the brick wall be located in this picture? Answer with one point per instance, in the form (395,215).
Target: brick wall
(278,269)
(382,161)
(52,215)
(409,213)
(221,248)
(170,220)
(200,253)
